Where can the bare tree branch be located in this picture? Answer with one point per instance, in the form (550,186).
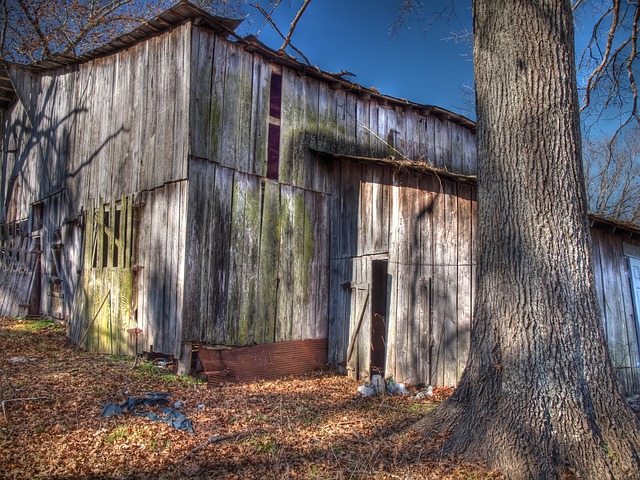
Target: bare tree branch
(33,20)
(293,25)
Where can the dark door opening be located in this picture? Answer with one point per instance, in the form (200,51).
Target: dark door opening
(378,316)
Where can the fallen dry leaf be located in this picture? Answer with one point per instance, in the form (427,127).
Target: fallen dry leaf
(311,426)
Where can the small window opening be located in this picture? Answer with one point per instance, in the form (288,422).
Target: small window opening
(105,240)
(273,140)
(116,237)
(275,95)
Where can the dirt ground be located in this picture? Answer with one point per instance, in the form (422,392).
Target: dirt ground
(312,426)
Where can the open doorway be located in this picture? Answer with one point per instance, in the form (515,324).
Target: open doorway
(378,316)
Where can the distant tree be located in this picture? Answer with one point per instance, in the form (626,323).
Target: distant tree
(610,62)
(32,30)
(612,170)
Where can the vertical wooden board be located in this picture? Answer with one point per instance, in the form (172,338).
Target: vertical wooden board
(470,156)
(107,137)
(237,231)
(179,88)
(301,262)
(409,280)
(362,315)
(212,246)
(442,144)
(425,220)
(155,286)
(346,140)
(164,110)
(218,278)
(363,129)
(395,308)
(201,72)
(292,117)
(260,114)
(451,286)
(306,290)
(629,315)
(269,258)
(150,127)
(116,120)
(464,275)
(339,310)
(286,266)
(313,176)
(616,315)
(427,139)
(596,239)
(412,134)
(349,214)
(173,329)
(439,292)
(196,218)
(457,148)
(249,315)
(181,258)
(144,259)
(94,77)
(244,136)
(379,210)
(139,113)
(321,265)
(231,107)
(327,126)
(366,224)
(218,92)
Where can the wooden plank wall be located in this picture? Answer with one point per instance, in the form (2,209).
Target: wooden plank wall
(103,128)
(423,226)
(88,133)
(614,294)
(257,259)
(229,112)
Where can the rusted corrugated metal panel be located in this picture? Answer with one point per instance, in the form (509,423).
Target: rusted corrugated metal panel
(263,362)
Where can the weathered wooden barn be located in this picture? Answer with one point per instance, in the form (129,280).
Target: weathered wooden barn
(182,186)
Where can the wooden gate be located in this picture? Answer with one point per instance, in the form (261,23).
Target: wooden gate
(107,278)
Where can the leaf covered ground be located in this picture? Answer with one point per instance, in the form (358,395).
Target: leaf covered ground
(312,426)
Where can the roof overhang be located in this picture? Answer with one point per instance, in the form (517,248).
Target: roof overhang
(403,164)
(173,17)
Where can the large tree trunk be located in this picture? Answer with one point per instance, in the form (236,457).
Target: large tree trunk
(539,397)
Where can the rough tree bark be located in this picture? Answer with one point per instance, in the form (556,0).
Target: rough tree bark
(539,398)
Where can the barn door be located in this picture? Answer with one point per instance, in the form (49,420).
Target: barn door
(634,268)
(378,316)
(108,278)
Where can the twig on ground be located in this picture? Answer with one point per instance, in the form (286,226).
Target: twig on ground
(210,440)
(4,412)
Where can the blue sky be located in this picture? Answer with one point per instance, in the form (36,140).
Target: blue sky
(354,35)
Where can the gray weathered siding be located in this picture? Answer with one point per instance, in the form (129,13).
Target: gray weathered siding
(84,137)
(423,226)
(614,293)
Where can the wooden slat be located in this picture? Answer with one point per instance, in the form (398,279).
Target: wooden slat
(260,115)
(269,259)
(425,214)
(217,254)
(202,46)
(464,282)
